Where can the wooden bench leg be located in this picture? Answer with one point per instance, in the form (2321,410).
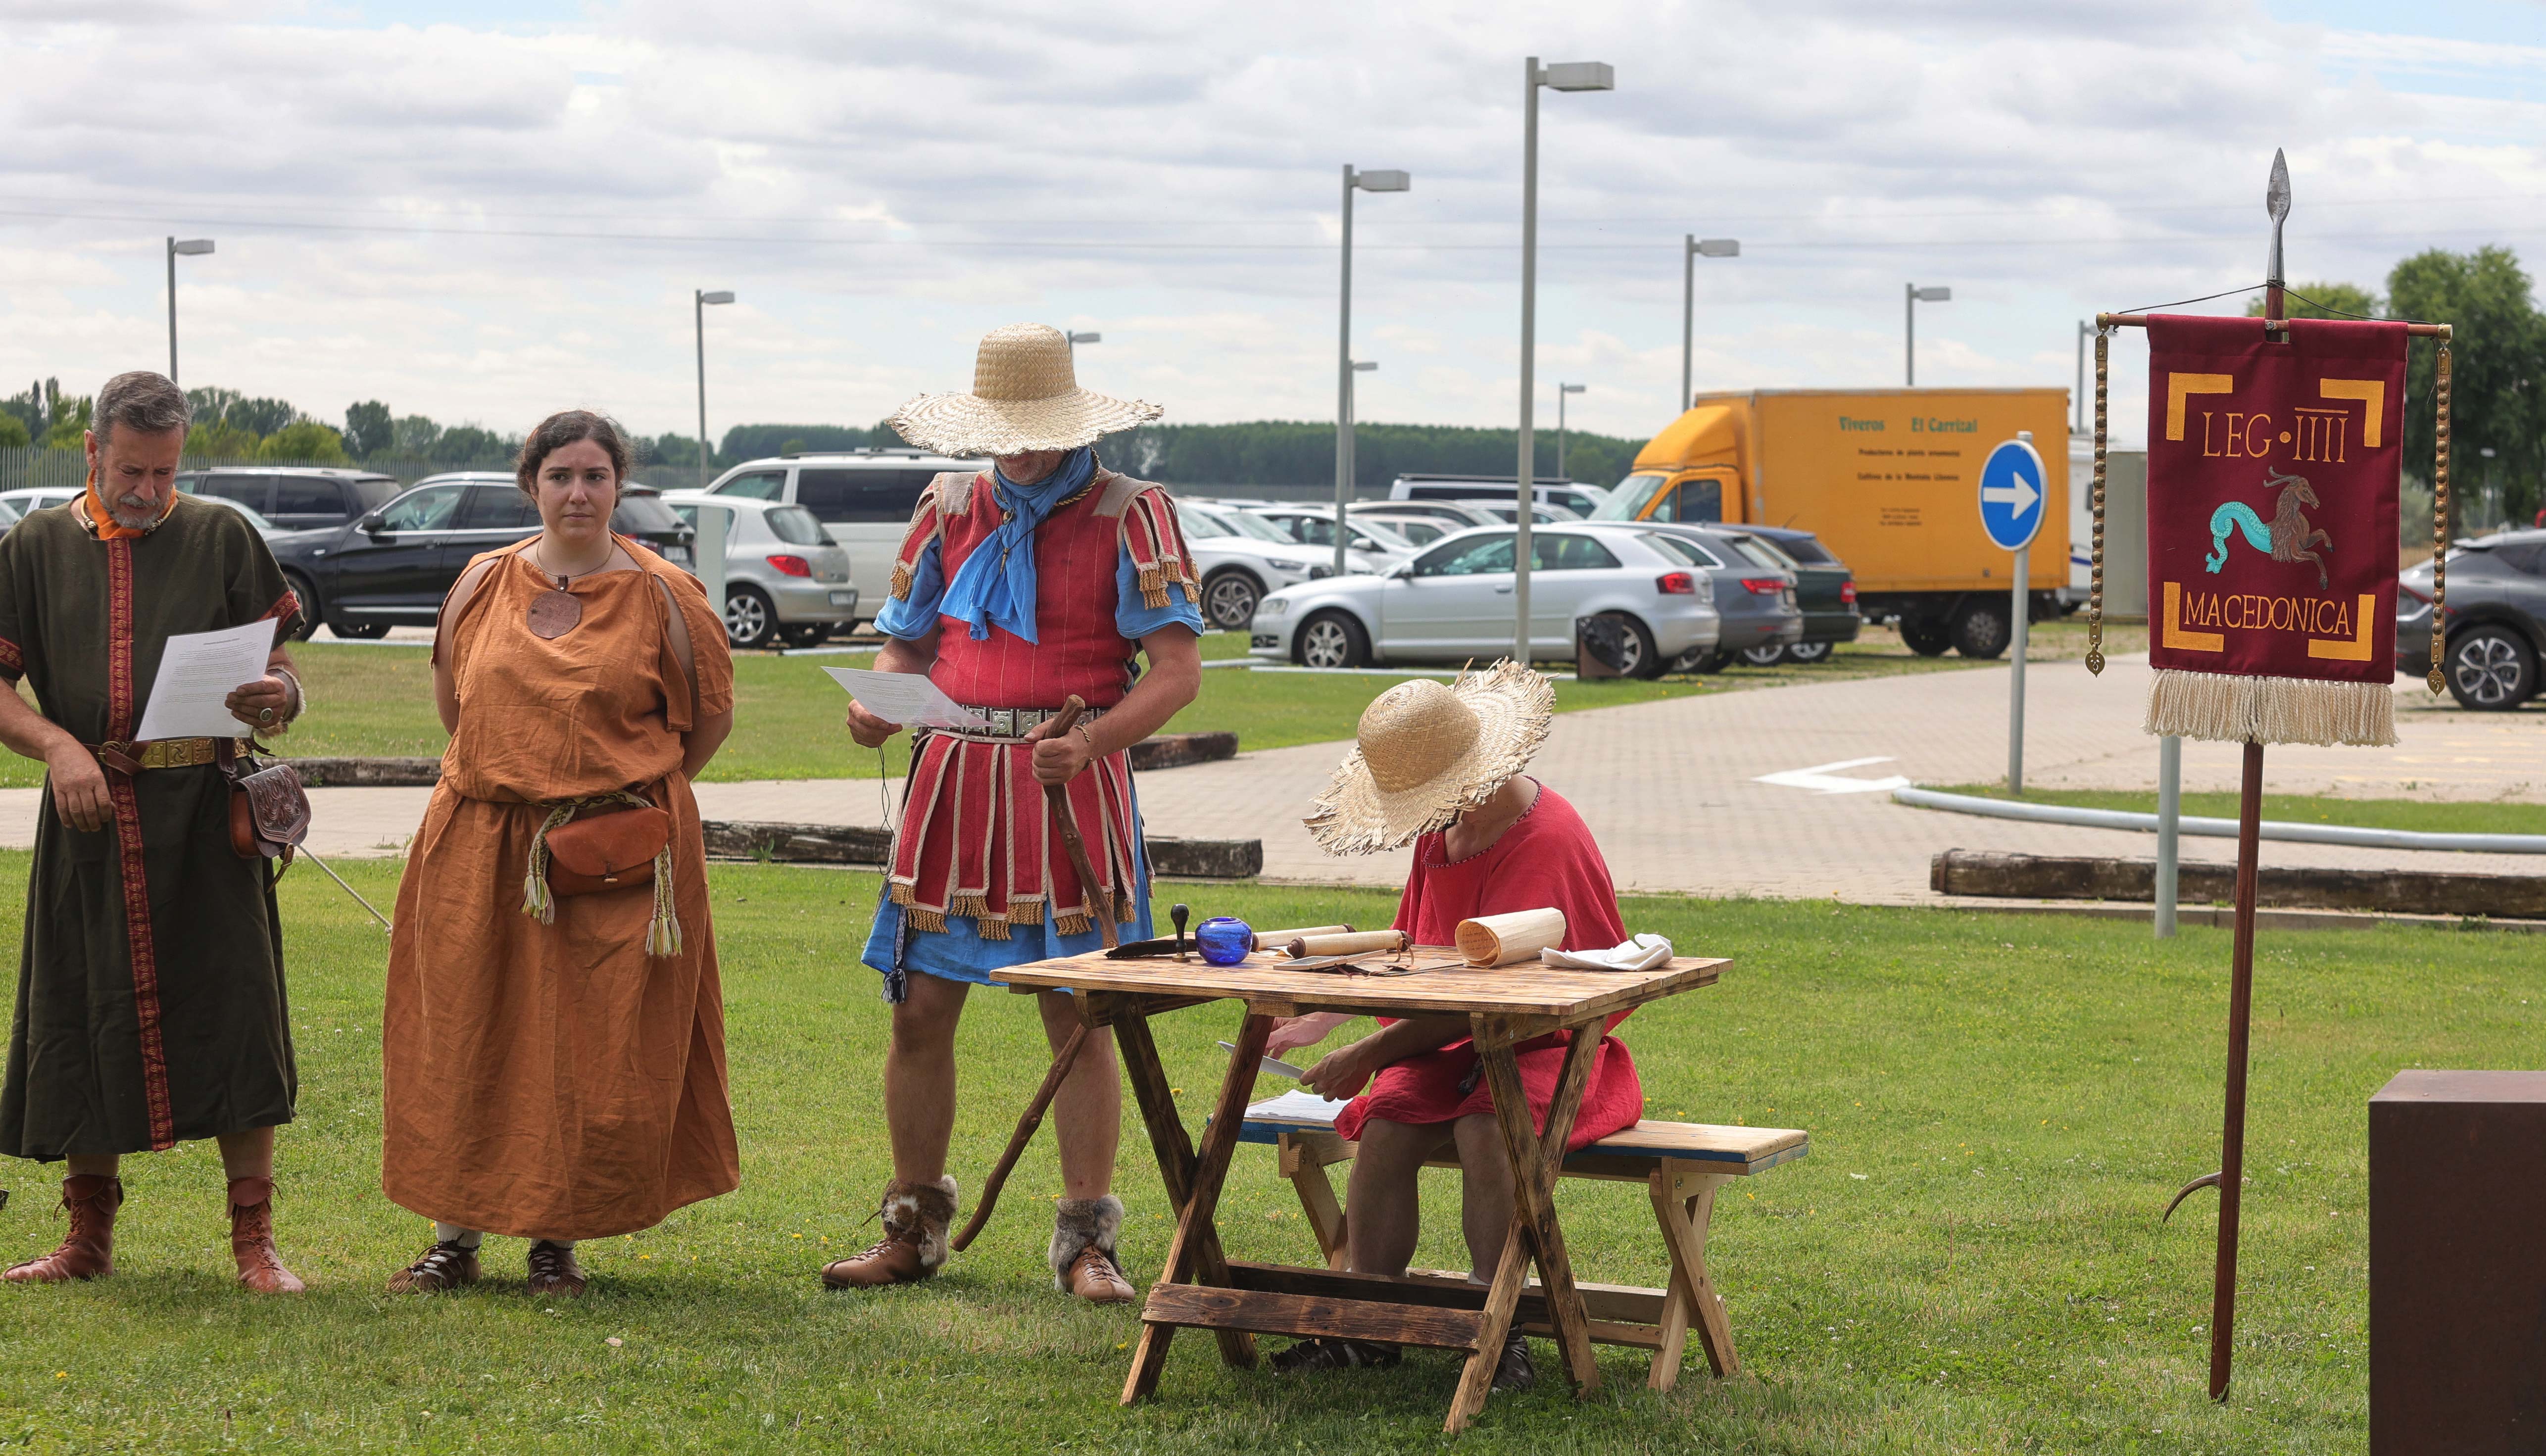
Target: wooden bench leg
(1318,1203)
(1684,1205)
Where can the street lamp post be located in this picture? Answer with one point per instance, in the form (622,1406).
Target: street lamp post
(193,247)
(1563,389)
(1351,413)
(1693,249)
(2085,331)
(1570,75)
(1912,297)
(1344,367)
(1077,339)
(698,300)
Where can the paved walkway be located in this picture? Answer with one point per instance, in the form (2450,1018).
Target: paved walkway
(1673,788)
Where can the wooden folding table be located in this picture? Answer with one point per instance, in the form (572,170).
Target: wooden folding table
(1504,1009)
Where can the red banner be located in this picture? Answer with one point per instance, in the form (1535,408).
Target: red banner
(2273,497)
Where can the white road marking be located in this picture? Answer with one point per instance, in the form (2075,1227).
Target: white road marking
(1824,778)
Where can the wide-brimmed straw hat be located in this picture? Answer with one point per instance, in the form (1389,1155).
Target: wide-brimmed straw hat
(1428,752)
(1025,396)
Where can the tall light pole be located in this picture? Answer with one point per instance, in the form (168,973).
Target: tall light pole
(1563,389)
(1344,367)
(193,247)
(2085,331)
(699,299)
(1912,296)
(1077,339)
(1351,413)
(1693,249)
(1569,75)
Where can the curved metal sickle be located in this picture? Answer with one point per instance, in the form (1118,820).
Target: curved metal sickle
(2206,1181)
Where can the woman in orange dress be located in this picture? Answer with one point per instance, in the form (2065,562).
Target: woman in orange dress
(554,1062)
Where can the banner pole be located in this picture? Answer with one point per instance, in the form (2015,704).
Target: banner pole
(2231,1138)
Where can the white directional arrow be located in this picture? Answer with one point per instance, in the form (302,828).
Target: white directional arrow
(2020,495)
(1824,778)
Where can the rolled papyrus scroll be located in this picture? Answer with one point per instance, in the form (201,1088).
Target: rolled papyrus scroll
(1507,939)
(1354,943)
(1274,940)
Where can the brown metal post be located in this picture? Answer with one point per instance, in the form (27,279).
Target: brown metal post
(2232,1137)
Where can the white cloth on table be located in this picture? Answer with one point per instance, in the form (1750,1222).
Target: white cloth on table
(1638,953)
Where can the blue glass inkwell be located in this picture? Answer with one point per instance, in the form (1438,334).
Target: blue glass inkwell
(1225,941)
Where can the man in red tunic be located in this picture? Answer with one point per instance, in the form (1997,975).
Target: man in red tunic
(1015,589)
(1441,766)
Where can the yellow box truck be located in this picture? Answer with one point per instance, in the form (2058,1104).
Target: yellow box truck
(1888,479)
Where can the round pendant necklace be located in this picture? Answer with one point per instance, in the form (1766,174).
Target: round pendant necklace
(554,612)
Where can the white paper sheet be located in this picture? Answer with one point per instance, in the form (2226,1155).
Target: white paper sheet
(197,670)
(905,698)
(1299,1105)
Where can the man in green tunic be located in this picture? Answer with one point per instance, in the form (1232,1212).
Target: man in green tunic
(150,993)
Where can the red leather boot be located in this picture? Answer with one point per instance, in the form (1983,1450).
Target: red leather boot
(88,1250)
(260,1268)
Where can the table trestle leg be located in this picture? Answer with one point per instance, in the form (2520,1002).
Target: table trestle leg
(1299,1162)
(1175,1154)
(1535,1232)
(1195,1228)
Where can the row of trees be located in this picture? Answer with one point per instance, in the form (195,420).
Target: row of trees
(2496,376)
(1254,453)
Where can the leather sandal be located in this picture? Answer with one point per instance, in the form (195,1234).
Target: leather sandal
(441,1266)
(87,1251)
(1330,1353)
(1513,1371)
(553,1270)
(1093,1277)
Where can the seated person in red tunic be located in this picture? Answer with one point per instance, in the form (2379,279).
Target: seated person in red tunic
(1441,766)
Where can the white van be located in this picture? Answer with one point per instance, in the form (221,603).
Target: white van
(863,496)
(1580,497)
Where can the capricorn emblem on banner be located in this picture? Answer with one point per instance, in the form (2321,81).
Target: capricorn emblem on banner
(2286,539)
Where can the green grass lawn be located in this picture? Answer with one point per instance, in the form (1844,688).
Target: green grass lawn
(2428,816)
(378,702)
(1970,1261)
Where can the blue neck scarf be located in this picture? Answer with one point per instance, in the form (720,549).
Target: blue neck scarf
(995,585)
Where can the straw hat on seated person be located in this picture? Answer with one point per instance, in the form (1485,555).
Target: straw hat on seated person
(1428,752)
(1025,398)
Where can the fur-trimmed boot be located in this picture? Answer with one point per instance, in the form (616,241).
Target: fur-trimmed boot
(915,1218)
(88,1250)
(260,1266)
(1084,1231)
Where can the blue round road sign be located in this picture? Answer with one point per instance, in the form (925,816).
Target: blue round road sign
(2012,495)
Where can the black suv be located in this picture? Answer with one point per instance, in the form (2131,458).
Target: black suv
(295,497)
(392,566)
(2497,620)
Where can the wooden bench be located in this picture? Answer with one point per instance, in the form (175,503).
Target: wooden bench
(1680,1163)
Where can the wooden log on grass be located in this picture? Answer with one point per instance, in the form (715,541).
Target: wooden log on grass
(871,844)
(1993,873)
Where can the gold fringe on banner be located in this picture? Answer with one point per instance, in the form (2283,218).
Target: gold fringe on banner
(2225,707)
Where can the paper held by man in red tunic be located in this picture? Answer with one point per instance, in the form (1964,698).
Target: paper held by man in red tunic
(1547,858)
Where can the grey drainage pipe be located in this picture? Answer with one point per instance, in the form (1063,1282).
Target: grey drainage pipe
(2116,818)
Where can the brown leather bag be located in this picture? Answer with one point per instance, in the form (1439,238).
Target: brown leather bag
(269,807)
(607,846)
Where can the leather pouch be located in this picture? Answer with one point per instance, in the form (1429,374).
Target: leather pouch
(607,846)
(269,807)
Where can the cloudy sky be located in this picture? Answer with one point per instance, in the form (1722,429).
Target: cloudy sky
(484,210)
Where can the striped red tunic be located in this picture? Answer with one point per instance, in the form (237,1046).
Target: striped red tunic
(977,837)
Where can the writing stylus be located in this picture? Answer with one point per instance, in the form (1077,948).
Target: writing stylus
(1271,1063)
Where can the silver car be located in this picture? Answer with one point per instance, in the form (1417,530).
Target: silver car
(785,579)
(1452,603)
(1241,556)
(1315,526)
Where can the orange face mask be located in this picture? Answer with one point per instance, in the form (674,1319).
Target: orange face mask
(104,522)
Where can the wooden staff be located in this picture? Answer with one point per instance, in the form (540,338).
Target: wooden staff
(1058,796)
(1017,1141)
(1066,819)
